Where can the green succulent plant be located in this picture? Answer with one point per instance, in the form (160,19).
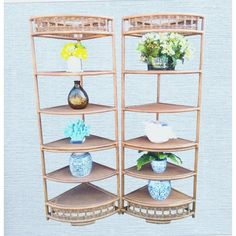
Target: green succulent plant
(156,156)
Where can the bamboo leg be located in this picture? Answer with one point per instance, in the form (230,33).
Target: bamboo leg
(82,84)
(158,92)
(198,123)
(116,116)
(39,124)
(122,117)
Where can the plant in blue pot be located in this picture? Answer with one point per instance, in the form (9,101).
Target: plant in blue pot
(80,164)
(77,131)
(158,190)
(158,160)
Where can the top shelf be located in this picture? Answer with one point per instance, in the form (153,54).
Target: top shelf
(185,24)
(72,27)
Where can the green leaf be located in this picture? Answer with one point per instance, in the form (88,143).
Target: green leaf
(161,155)
(177,160)
(144,159)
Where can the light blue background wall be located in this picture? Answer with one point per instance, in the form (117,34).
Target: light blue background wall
(24,212)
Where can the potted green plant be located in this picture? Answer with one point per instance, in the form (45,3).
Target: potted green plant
(74,53)
(158,160)
(162,50)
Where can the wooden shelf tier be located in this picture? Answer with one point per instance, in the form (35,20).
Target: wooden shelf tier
(72,27)
(92,143)
(82,205)
(67,110)
(139,203)
(98,172)
(173,172)
(83,73)
(185,24)
(162,72)
(161,108)
(173,145)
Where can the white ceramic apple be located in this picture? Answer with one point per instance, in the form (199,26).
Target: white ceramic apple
(158,132)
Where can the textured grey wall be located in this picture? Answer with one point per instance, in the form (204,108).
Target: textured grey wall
(24,212)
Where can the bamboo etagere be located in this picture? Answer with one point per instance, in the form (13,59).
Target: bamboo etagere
(139,203)
(87,202)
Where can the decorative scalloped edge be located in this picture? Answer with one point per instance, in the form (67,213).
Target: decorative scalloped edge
(82,216)
(159,215)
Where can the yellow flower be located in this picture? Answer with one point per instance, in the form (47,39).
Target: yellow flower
(74,49)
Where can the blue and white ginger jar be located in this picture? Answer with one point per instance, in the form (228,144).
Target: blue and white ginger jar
(159,190)
(80,164)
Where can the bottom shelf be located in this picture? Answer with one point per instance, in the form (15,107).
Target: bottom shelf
(139,203)
(82,205)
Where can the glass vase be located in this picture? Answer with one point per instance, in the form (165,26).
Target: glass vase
(161,63)
(74,64)
(78,98)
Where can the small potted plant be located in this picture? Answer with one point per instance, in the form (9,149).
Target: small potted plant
(77,131)
(158,160)
(74,53)
(162,50)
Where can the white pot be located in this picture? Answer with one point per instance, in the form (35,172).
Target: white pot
(158,132)
(74,64)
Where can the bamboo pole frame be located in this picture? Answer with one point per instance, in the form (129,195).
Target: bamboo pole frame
(122,116)
(36,88)
(110,143)
(116,112)
(138,32)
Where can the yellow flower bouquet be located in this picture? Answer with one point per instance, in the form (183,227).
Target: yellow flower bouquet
(74,53)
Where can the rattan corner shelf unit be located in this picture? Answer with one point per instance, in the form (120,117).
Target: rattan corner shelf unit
(87,202)
(139,203)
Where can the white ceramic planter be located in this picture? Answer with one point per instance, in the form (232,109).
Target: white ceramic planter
(158,132)
(74,64)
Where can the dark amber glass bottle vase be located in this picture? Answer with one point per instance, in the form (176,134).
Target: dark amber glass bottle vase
(78,98)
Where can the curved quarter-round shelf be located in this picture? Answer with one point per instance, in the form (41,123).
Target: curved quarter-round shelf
(73,27)
(186,24)
(161,108)
(92,143)
(173,145)
(82,205)
(163,72)
(98,172)
(173,172)
(67,110)
(83,73)
(141,196)
(139,203)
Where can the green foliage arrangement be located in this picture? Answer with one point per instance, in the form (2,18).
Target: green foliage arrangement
(173,46)
(156,156)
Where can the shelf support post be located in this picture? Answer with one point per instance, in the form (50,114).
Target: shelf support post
(158,92)
(122,114)
(199,103)
(42,156)
(116,114)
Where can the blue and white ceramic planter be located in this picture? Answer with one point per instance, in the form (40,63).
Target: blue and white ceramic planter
(159,166)
(159,190)
(80,164)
